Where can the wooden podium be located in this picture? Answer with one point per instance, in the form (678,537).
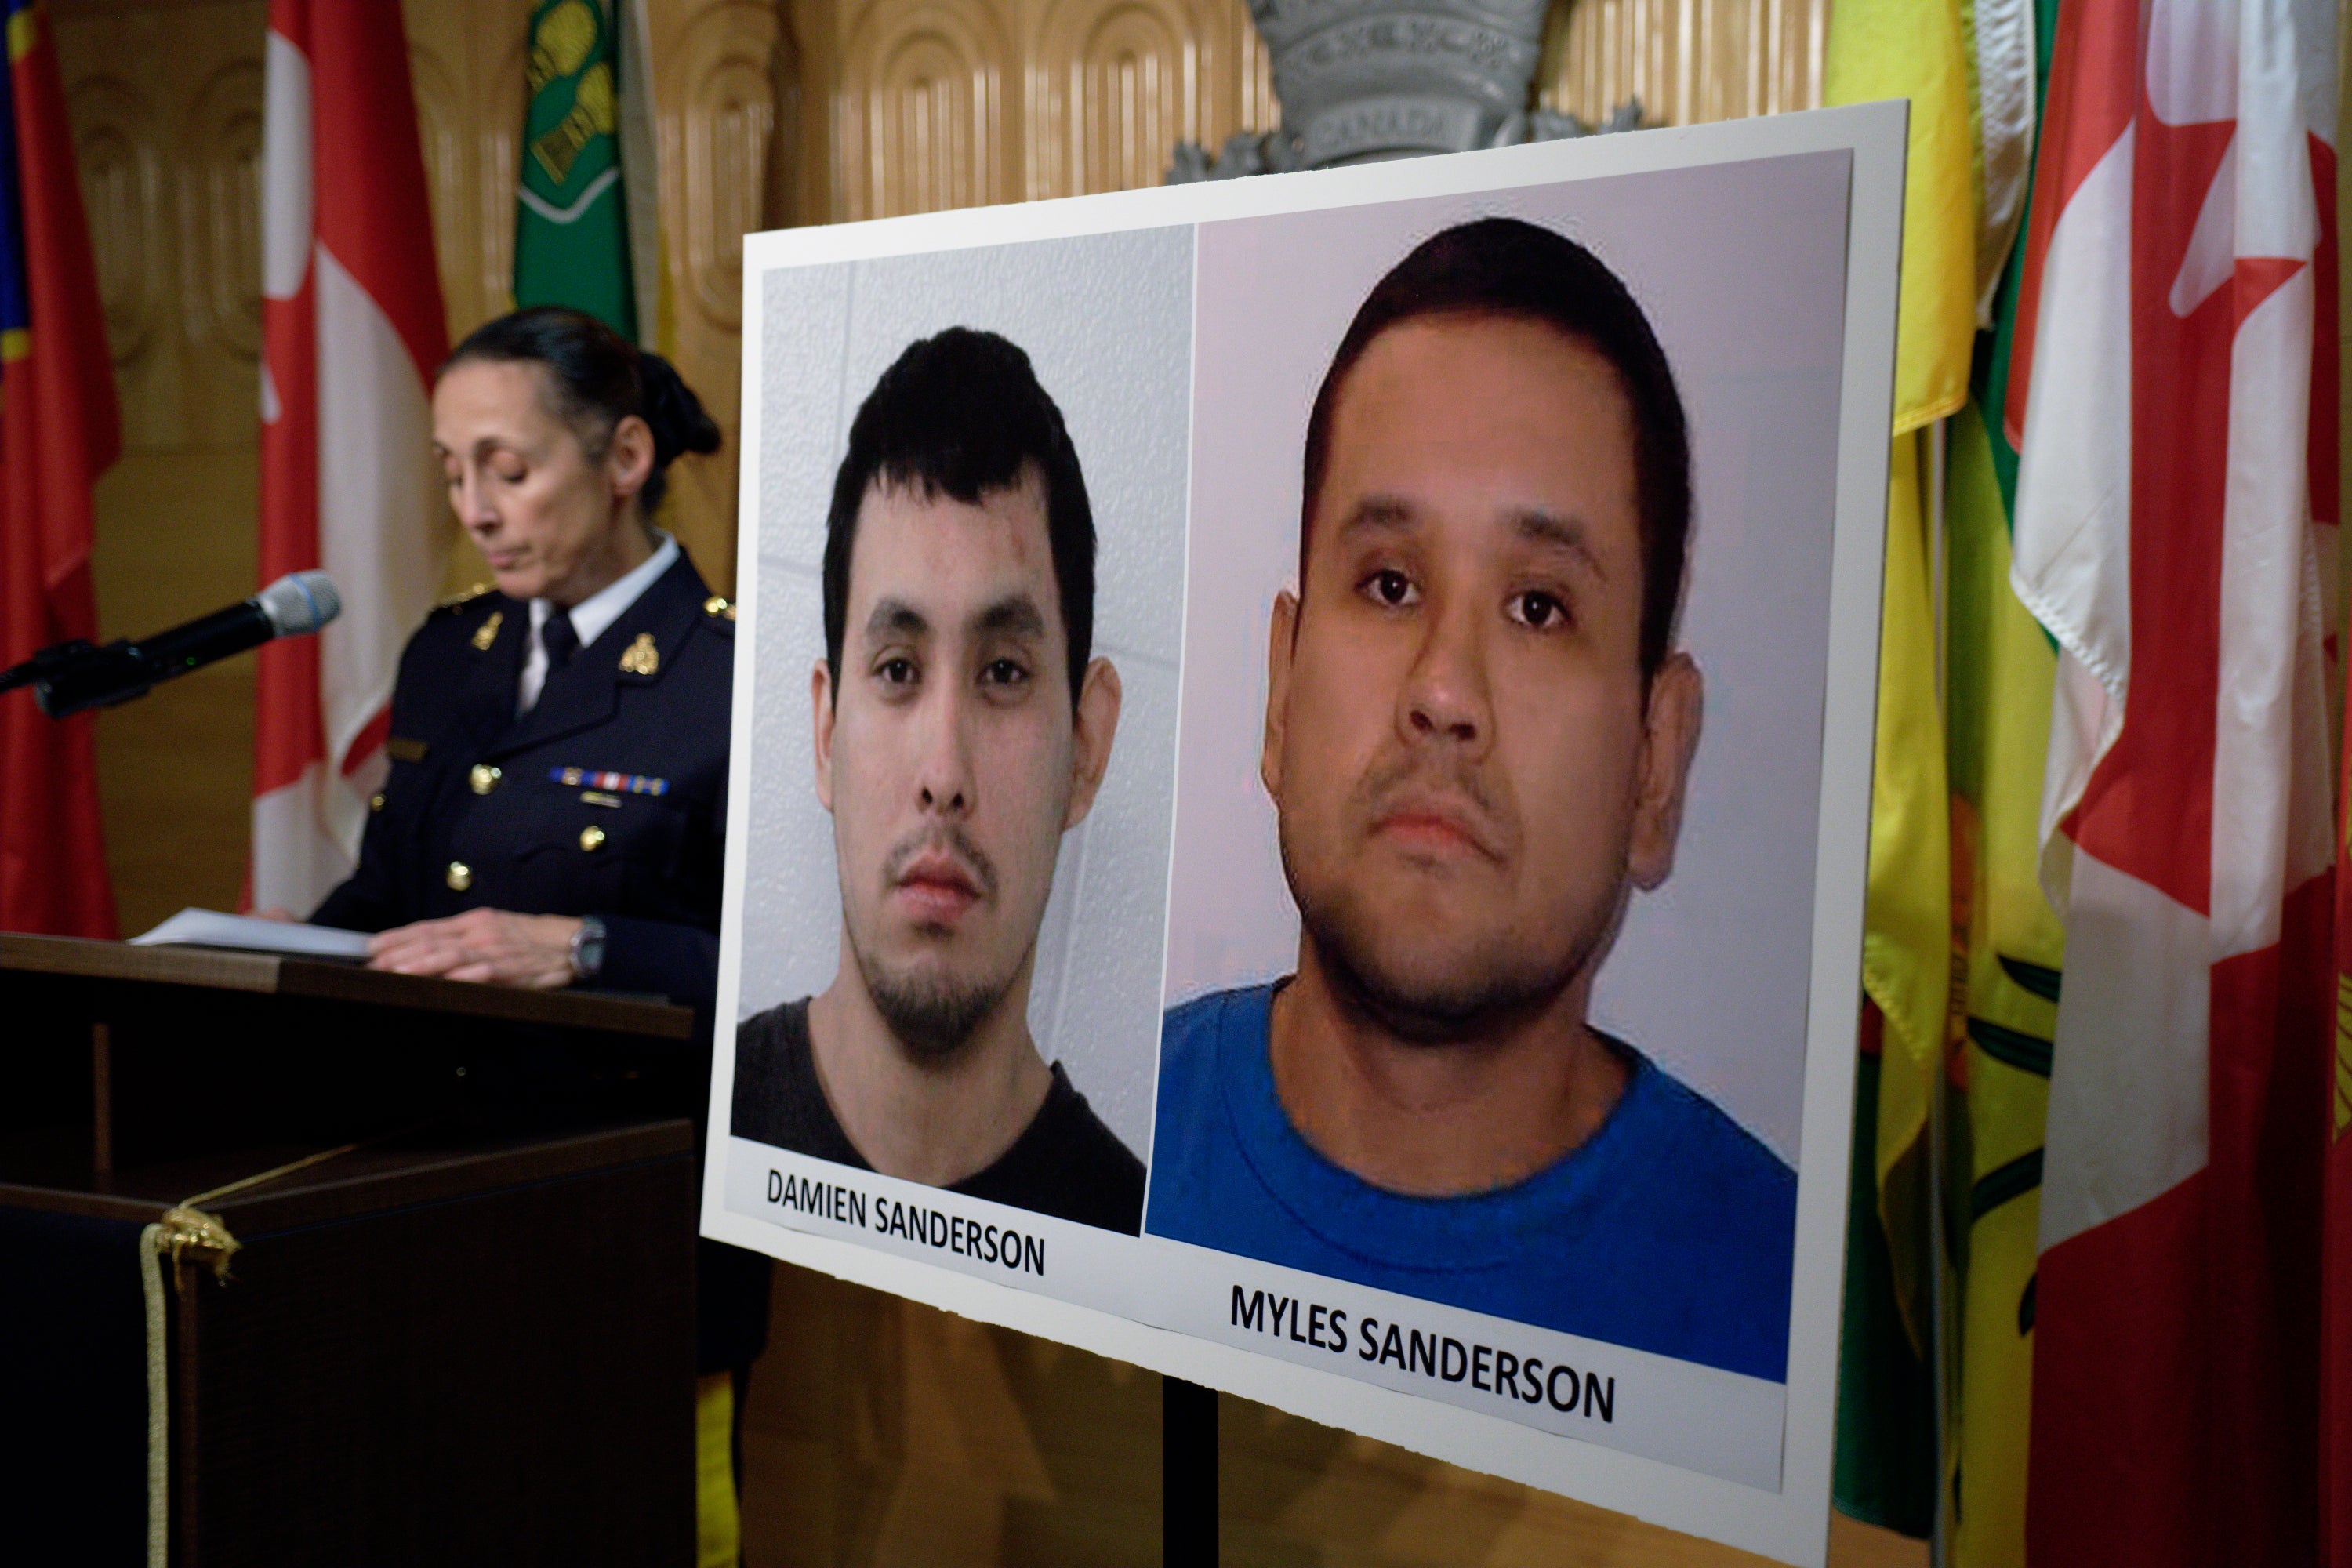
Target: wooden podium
(470,1338)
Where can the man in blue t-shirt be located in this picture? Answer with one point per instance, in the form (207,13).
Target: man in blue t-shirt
(1478,730)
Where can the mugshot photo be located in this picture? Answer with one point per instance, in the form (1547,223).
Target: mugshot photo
(1491,914)
(972,506)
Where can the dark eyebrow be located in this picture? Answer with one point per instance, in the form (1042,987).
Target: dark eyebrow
(895,618)
(1383,512)
(1556,532)
(1016,616)
(1548,530)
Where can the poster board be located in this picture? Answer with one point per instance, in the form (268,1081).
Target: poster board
(1182,336)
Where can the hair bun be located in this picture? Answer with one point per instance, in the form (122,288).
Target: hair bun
(672,412)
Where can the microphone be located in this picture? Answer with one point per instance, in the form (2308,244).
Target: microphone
(73,676)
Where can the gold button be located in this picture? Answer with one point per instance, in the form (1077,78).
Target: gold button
(375,802)
(461,875)
(591,836)
(484,778)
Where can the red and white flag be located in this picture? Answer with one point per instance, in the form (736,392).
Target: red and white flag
(352,331)
(2176,493)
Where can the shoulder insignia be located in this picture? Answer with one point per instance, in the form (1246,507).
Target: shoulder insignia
(715,605)
(641,658)
(487,632)
(456,602)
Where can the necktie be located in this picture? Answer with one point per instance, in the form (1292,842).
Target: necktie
(559,639)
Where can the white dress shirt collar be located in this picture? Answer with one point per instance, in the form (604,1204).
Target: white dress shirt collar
(590,616)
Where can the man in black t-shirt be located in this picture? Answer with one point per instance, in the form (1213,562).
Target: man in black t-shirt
(959,600)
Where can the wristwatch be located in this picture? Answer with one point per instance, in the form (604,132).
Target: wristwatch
(588,949)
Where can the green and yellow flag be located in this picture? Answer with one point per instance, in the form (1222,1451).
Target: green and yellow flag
(574,228)
(1888,1443)
(1962,954)
(2000,671)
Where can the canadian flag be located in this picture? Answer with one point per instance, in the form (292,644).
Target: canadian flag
(352,331)
(2174,402)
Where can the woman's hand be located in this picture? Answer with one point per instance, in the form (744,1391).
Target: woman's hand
(493,946)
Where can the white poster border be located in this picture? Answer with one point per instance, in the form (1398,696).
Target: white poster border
(1790,1523)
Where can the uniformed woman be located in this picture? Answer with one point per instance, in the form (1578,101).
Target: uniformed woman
(559,744)
(558,786)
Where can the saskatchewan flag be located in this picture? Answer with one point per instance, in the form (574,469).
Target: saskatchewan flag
(2001,671)
(1962,954)
(576,241)
(1888,1439)
(2001,668)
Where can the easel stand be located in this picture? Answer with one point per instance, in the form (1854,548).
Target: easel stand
(1188,1474)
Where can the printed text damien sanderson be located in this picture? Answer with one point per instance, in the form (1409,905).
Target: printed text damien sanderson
(1001,1244)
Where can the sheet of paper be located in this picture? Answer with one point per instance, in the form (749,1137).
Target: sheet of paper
(210,927)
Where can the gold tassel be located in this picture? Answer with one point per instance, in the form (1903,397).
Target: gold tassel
(189,1236)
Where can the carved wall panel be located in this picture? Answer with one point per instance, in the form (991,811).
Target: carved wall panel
(716,117)
(1686,60)
(220,212)
(921,108)
(1115,87)
(926,104)
(495,120)
(121,145)
(120,161)
(442,138)
(716,164)
(168,141)
(1254,70)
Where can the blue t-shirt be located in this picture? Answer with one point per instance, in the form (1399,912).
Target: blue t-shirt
(1671,1229)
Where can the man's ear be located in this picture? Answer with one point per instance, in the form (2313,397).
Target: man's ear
(1093,726)
(1670,726)
(821,701)
(629,457)
(1281,642)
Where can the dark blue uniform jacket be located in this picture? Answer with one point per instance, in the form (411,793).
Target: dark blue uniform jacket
(484,808)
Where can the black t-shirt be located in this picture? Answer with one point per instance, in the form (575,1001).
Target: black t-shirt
(1066,1164)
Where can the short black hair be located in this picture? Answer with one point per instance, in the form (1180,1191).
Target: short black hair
(598,378)
(959,415)
(1501,267)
